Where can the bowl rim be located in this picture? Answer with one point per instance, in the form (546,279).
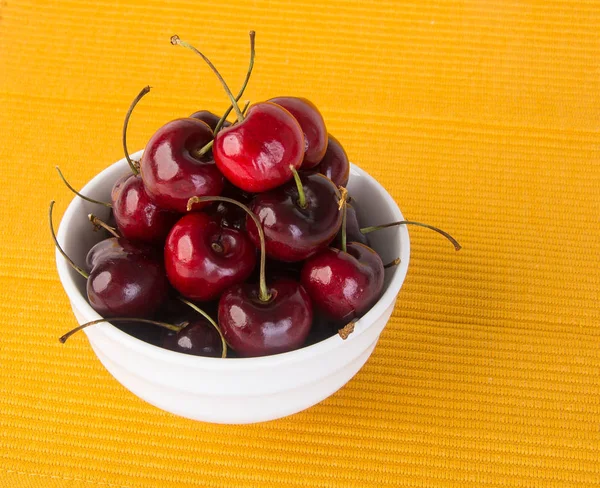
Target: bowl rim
(79,302)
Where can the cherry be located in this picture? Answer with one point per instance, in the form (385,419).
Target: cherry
(230,215)
(312,124)
(335,164)
(299,218)
(201,337)
(254,327)
(257,153)
(125,279)
(202,258)
(210,119)
(260,320)
(171,171)
(136,215)
(344,285)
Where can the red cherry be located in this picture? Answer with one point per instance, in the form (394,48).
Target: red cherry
(202,258)
(199,338)
(125,279)
(253,327)
(137,217)
(344,285)
(295,230)
(313,127)
(257,153)
(353,232)
(335,164)
(171,172)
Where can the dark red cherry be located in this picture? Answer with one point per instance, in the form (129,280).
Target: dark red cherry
(344,285)
(313,126)
(136,215)
(253,327)
(335,164)
(126,279)
(171,171)
(353,233)
(199,338)
(211,119)
(228,214)
(202,258)
(294,232)
(256,154)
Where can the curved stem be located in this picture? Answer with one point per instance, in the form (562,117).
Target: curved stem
(69,260)
(175,40)
(88,199)
(134,166)
(457,246)
(241,92)
(99,223)
(301,197)
(343,205)
(263,295)
(166,325)
(212,322)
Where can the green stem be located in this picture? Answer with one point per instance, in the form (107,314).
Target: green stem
(134,166)
(99,223)
(88,199)
(301,196)
(69,260)
(263,295)
(343,205)
(166,325)
(175,40)
(241,92)
(212,322)
(457,246)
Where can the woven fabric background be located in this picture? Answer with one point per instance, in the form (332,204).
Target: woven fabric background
(481,117)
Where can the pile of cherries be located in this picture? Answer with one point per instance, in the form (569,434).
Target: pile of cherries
(235,238)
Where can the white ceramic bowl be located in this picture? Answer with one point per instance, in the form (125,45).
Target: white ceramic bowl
(234,391)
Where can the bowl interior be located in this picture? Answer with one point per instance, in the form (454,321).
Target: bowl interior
(374,206)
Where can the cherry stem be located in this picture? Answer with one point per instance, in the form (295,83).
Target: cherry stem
(212,322)
(301,197)
(343,205)
(264,295)
(175,40)
(457,246)
(88,199)
(133,165)
(244,85)
(395,262)
(345,331)
(69,260)
(210,144)
(166,325)
(99,223)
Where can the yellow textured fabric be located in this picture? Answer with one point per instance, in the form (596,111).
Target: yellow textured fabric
(481,117)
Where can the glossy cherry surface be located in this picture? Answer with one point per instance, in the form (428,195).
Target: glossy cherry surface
(335,164)
(294,233)
(210,118)
(256,154)
(313,126)
(199,338)
(171,172)
(344,285)
(202,258)
(256,328)
(126,279)
(136,215)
